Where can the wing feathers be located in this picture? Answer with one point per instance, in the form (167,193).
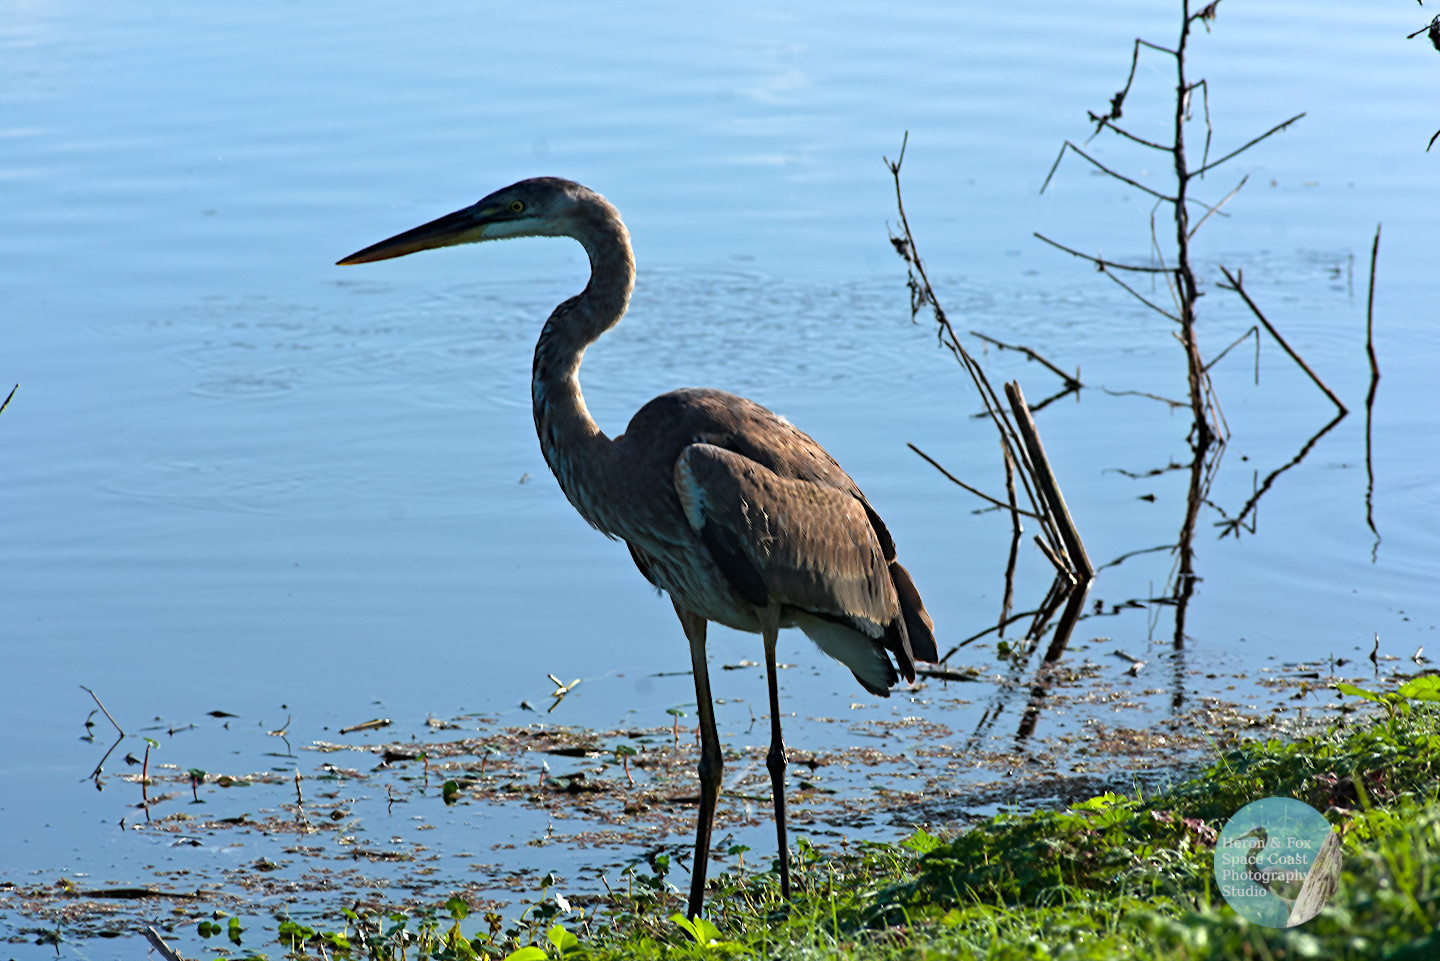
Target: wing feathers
(809,547)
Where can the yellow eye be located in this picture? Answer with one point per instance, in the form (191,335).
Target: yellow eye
(516,206)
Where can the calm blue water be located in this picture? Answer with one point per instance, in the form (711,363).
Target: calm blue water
(237,477)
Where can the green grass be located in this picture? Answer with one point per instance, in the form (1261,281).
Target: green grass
(1111,877)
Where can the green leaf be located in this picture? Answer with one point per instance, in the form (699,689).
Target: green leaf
(1425,688)
(708,933)
(1354,691)
(921,842)
(686,925)
(531,953)
(562,939)
(1098,803)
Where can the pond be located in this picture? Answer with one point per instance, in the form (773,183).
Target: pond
(242,480)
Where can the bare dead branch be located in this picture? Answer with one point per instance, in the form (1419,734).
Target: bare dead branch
(1114,173)
(1142,298)
(1102,122)
(1239,150)
(978,493)
(1216,209)
(1209,130)
(1117,102)
(922,292)
(1237,285)
(1253,331)
(1169,402)
(1071,382)
(1101,263)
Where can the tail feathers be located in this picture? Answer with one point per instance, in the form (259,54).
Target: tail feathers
(917,621)
(865,657)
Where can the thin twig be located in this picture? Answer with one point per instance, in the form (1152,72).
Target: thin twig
(1170,402)
(1102,122)
(119,736)
(1069,381)
(1117,102)
(102,708)
(7,398)
(1017,616)
(1141,297)
(1235,343)
(923,292)
(1370,309)
(1116,174)
(1216,208)
(1239,150)
(1237,286)
(978,493)
(1204,86)
(1101,263)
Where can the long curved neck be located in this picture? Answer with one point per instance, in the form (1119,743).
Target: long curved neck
(572,443)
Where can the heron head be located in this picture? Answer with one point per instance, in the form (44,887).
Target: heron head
(538,207)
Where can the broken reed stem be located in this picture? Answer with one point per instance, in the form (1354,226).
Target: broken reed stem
(1370,310)
(7,398)
(1237,285)
(158,943)
(1049,486)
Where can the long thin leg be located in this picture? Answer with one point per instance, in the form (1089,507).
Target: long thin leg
(775,760)
(711,763)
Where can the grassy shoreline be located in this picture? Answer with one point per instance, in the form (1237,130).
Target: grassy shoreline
(1109,877)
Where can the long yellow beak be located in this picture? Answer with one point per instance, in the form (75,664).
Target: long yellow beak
(462,227)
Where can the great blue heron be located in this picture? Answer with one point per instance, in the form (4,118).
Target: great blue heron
(738,516)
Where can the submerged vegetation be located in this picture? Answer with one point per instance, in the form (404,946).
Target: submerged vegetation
(1109,877)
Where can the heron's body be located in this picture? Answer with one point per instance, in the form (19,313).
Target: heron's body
(738,516)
